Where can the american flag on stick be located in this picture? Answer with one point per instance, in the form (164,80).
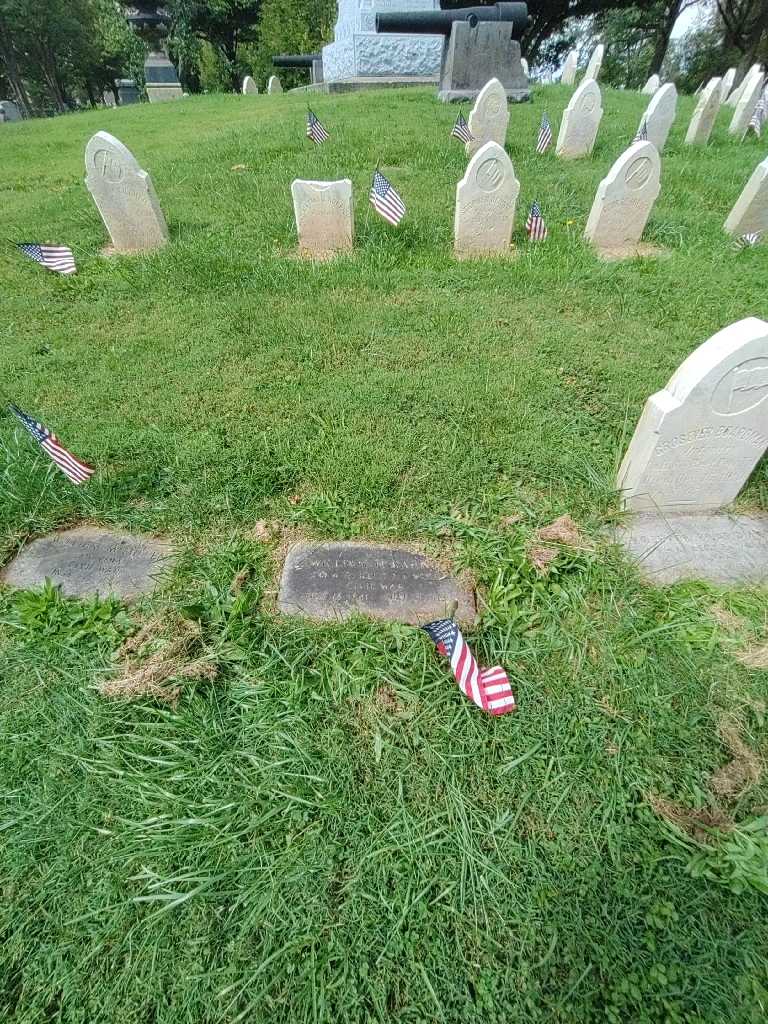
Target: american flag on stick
(460,129)
(488,687)
(77,471)
(315,129)
(545,135)
(385,199)
(58,258)
(748,240)
(642,132)
(535,226)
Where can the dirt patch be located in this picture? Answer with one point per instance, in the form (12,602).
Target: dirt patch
(156,660)
(541,556)
(388,701)
(696,823)
(755,656)
(727,620)
(548,540)
(743,770)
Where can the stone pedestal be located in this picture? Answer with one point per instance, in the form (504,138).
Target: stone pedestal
(162,82)
(474,55)
(127,91)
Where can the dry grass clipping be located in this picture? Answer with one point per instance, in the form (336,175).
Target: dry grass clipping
(562,532)
(155,661)
(755,656)
(694,823)
(743,770)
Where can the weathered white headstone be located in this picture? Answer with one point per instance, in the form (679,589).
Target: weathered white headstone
(274,85)
(485,204)
(124,195)
(652,86)
(595,62)
(750,211)
(324,216)
(704,115)
(726,84)
(568,76)
(249,86)
(738,92)
(488,118)
(745,108)
(10,110)
(581,119)
(524,64)
(624,201)
(699,439)
(659,115)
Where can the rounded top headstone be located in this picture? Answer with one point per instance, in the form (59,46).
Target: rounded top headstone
(107,157)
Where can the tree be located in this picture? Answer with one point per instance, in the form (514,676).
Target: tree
(288,27)
(744,27)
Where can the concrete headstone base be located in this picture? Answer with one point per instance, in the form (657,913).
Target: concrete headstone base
(356,84)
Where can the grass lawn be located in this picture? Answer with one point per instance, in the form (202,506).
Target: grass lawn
(327,830)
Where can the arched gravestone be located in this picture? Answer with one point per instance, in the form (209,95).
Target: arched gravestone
(624,201)
(726,84)
(659,115)
(249,86)
(581,120)
(699,439)
(750,211)
(485,204)
(274,85)
(324,217)
(488,118)
(595,63)
(124,195)
(652,86)
(746,105)
(704,115)
(568,76)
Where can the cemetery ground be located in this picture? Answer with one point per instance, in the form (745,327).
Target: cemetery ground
(308,822)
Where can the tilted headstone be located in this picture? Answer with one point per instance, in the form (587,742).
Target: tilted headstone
(249,86)
(624,200)
(750,211)
(726,84)
(124,195)
(485,204)
(568,76)
(581,120)
(745,108)
(595,63)
(704,115)
(652,86)
(10,110)
(324,216)
(659,115)
(488,118)
(738,92)
(274,85)
(699,439)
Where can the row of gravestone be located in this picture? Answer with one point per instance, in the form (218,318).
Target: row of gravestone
(249,87)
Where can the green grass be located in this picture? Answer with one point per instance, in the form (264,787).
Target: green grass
(285,845)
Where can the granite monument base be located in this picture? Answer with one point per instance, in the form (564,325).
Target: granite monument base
(357,84)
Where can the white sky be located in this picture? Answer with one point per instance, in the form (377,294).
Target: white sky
(689,18)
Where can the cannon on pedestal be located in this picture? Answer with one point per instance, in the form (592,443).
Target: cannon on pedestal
(480,43)
(313,61)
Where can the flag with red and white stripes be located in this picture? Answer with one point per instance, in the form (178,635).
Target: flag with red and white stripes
(385,199)
(58,258)
(77,471)
(535,226)
(545,135)
(488,687)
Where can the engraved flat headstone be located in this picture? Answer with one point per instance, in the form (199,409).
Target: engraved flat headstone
(660,114)
(595,63)
(581,120)
(488,118)
(324,216)
(124,195)
(274,85)
(568,76)
(88,561)
(249,86)
(699,439)
(485,204)
(624,201)
(652,86)
(750,211)
(726,84)
(332,581)
(704,115)
(745,108)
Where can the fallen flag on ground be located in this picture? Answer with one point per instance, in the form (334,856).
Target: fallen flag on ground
(745,241)
(53,257)
(77,471)
(642,132)
(315,129)
(488,687)
(385,199)
(535,226)
(460,129)
(545,135)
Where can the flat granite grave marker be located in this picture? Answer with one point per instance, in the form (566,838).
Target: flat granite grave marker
(750,211)
(332,581)
(570,67)
(324,216)
(704,115)
(485,204)
(581,120)
(624,201)
(124,195)
(488,118)
(595,63)
(90,561)
(659,115)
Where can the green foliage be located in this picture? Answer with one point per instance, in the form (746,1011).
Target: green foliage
(288,27)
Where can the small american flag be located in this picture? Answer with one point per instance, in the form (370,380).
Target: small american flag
(77,471)
(748,240)
(642,132)
(488,687)
(385,199)
(545,135)
(461,130)
(535,226)
(315,129)
(53,257)
(758,117)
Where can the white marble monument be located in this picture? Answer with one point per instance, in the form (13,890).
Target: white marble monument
(581,120)
(485,204)
(124,195)
(324,216)
(704,115)
(570,67)
(624,201)
(659,115)
(595,63)
(745,107)
(488,118)
(750,211)
(652,86)
(249,86)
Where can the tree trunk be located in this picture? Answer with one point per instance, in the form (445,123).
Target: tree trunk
(8,56)
(753,39)
(662,37)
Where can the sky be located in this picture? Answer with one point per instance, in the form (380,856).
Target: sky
(688,19)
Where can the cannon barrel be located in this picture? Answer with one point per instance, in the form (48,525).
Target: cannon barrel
(299,60)
(438,23)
